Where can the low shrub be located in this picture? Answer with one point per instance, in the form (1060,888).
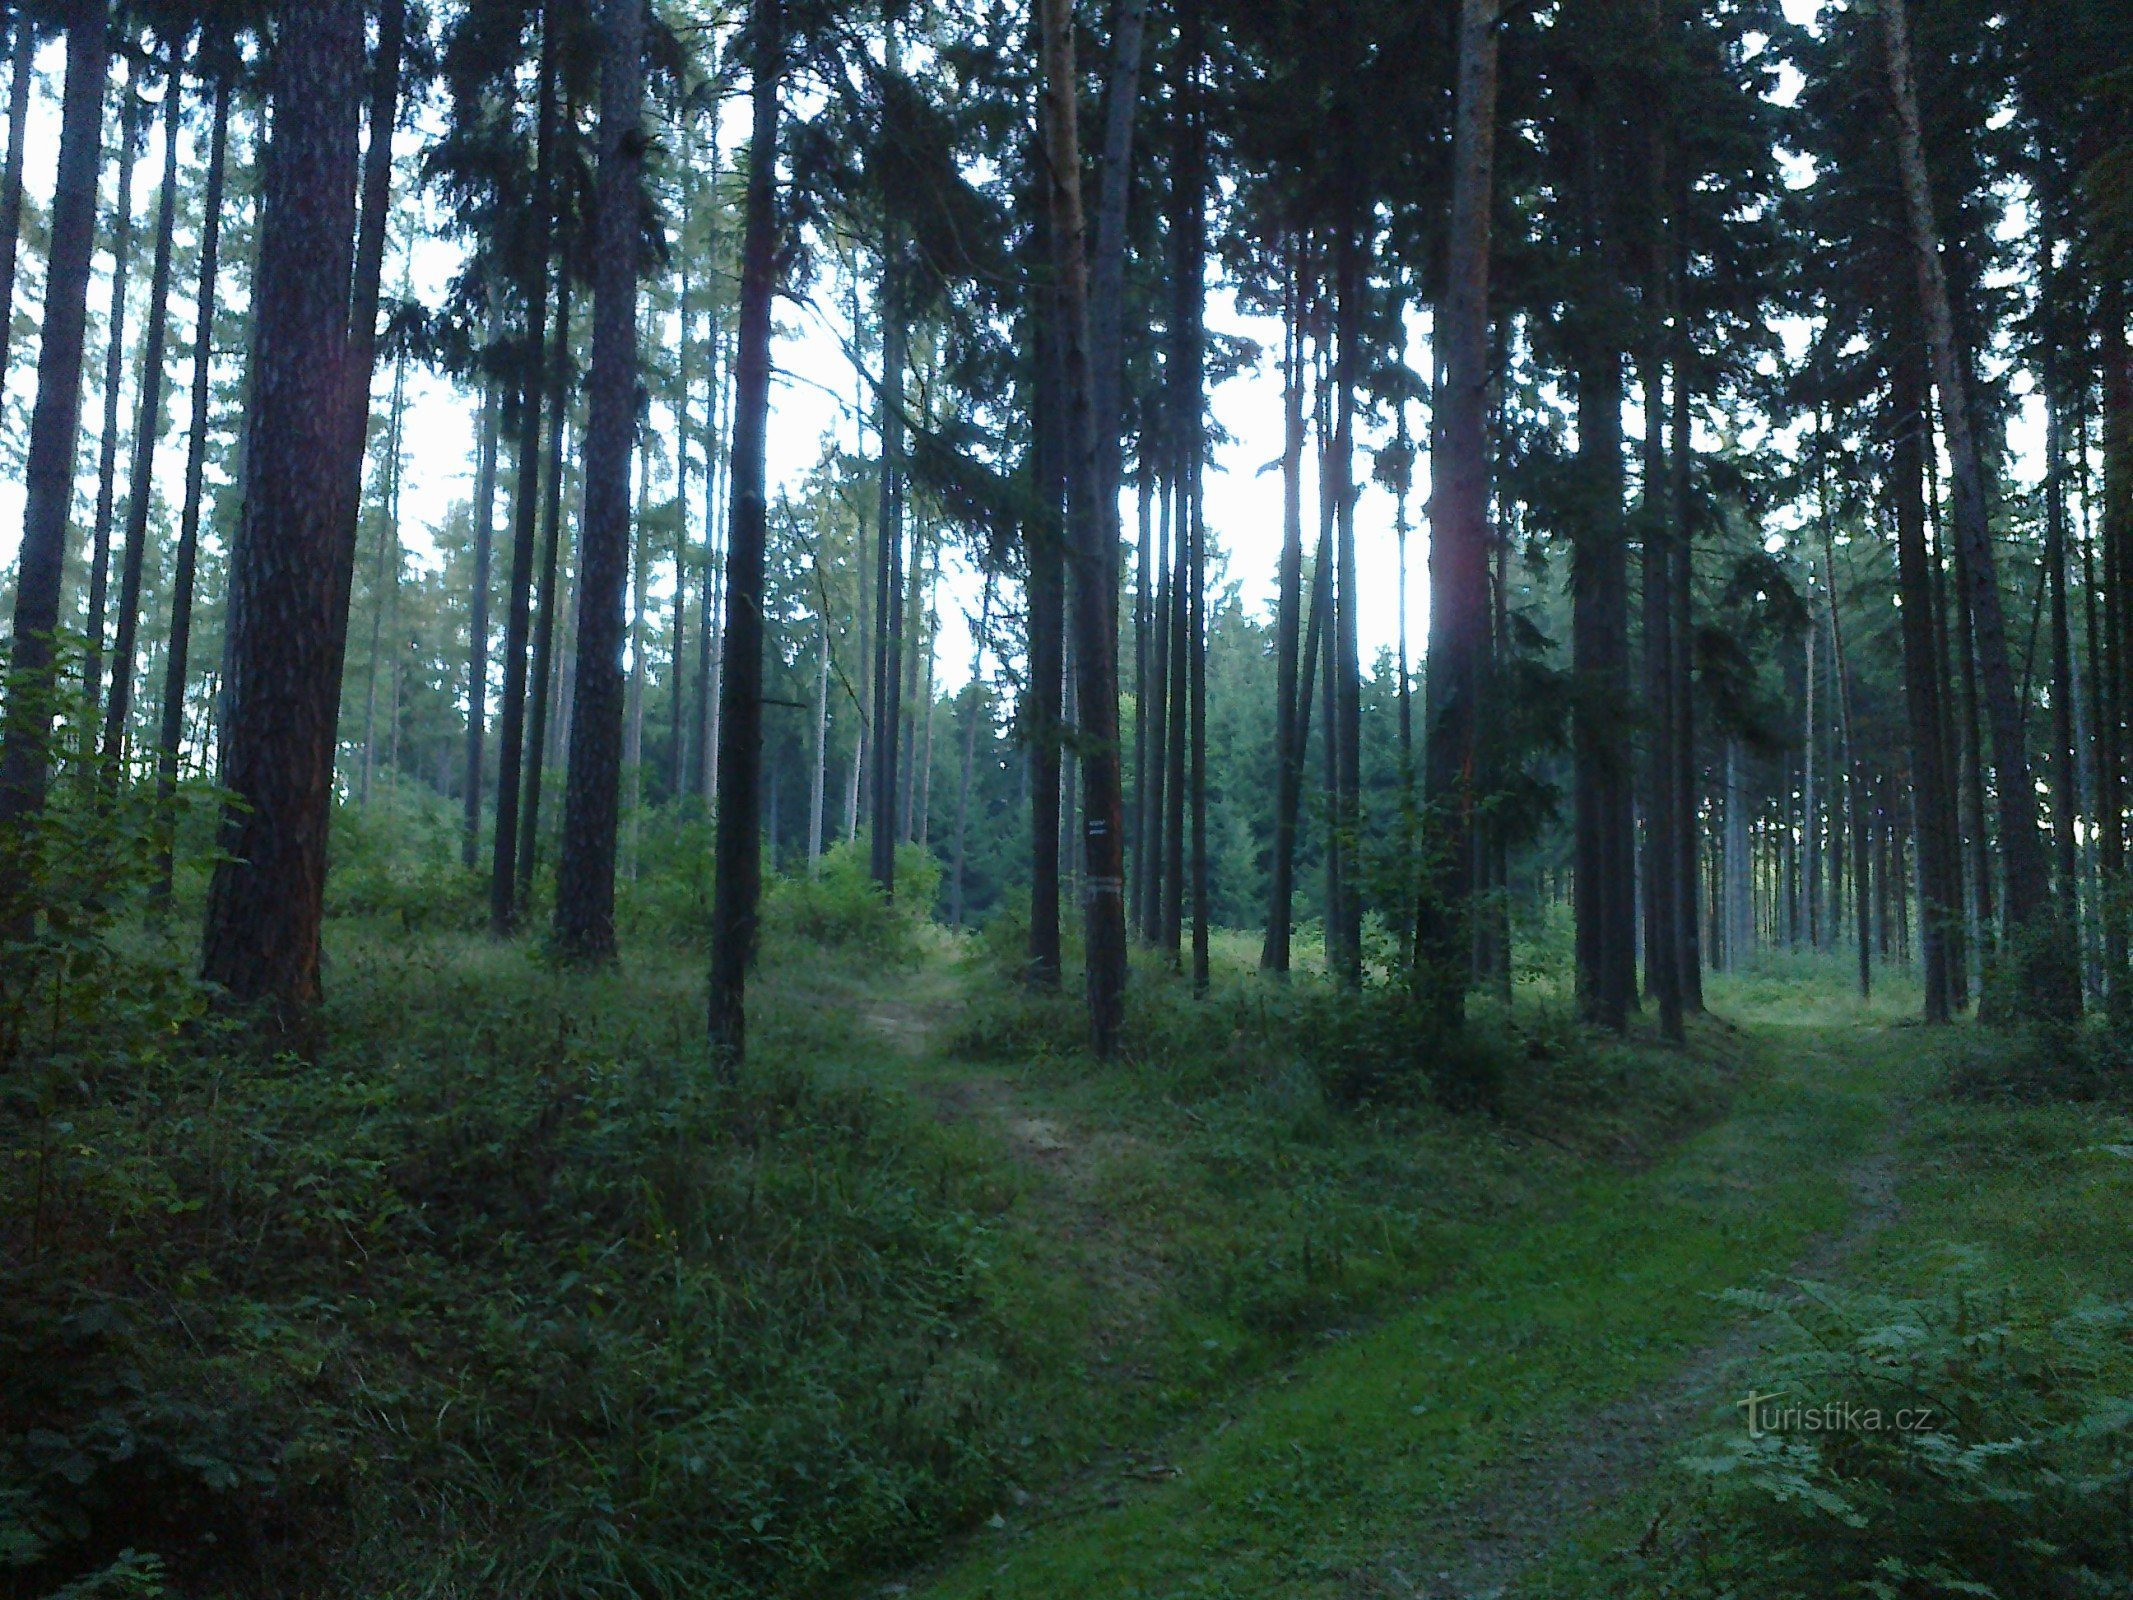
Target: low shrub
(838,905)
(397,858)
(1377,1046)
(2035,1061)
(1961,1444)
(502,1294)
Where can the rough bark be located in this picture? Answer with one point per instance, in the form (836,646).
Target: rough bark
(1350,269)
(1044,559)
(1459,609)
(129,119)
(2111,700)
(543,674)
(1933,802)
(21,78)
(739,858)
(490,425)
(148,424)
(1107,265)
(1092,559)
(2048,977)
(533,390)
(48,474)
(281,699)
(373,224)
(585,874)
(1288,747)
(186,565)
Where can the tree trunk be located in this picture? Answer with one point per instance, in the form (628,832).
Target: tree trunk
(1662,922)
(22,77)
(1933,801)
(633,702)
(478,625)
(1599,597)
(543,673)
(889,565)
(1092,558)
(1681,586)
(384,590)
(2066,778)
(2112,676)
(1177,726)
(970,758)
(373,221)
(707,597)
(2048,978)
(1143,669)
(678,669)
(130,119)
(526,497)
(816,786)
(585,874)
(1853,765)
(148,424)
(48,473)
(1044,557)
(739,858)
(1459,609)
(221,67)
(1737,865)
(1156,877)
(1188,386)
(1107,263)
(1288,714)
(281,701)
(1350,271)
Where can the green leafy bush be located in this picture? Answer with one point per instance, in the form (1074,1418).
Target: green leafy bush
(1377,1046)
(1980,1448)
(837,906)
(397,858)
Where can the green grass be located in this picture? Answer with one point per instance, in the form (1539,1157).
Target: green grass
(2018,1209)
(1543,1311)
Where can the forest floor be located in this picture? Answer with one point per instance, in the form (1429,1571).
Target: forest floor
(500,1292)
(1452,1448)
(1518,1432)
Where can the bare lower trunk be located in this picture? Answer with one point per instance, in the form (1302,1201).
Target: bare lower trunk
(543,675)
(2048,978)
(282,698)
(1288,751)
(533,390)
(130,119)
(22,77)
(1459,606)
(148,424)
(478,624)
(48,473)
(585,874)
(815,788)
(188,554)
(739,858)
(1092,562)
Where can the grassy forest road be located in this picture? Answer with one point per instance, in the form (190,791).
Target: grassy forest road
(1460,1446)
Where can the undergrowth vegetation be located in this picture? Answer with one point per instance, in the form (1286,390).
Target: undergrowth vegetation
(496,1289)
(1965,1442)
